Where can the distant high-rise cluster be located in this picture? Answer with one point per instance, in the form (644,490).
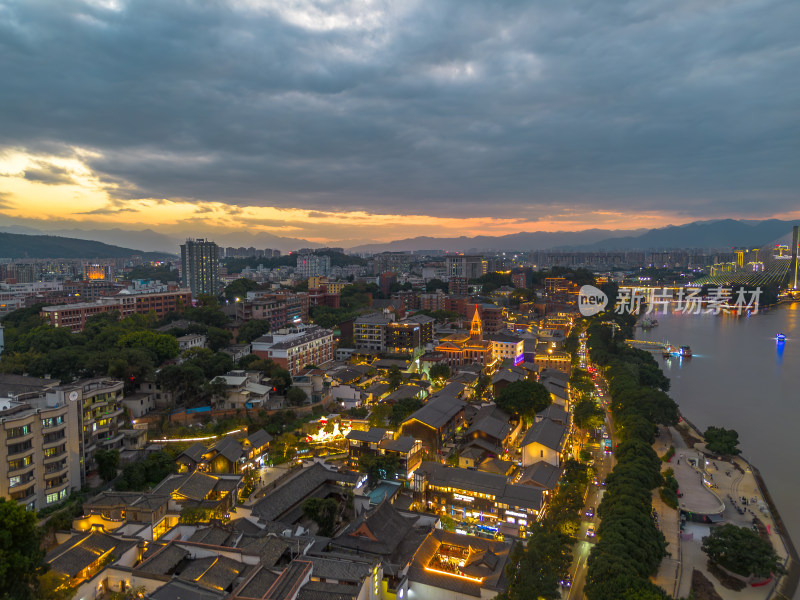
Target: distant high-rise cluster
(312,265)
(200,266)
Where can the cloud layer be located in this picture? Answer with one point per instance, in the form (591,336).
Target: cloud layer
(514,110)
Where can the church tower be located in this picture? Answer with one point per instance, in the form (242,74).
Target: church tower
(476,330)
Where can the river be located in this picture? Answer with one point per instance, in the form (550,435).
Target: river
(740,378)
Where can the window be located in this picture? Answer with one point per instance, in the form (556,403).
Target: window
(51,498)
(16,432)
(20,463)
(53,421)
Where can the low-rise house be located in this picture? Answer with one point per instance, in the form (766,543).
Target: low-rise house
(436,422)
(191,340)
(545,440)
(228,455)
(139,404)
(215,493)
(540,474)
(112,510)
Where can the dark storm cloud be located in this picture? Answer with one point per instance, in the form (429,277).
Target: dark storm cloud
(48,174)
(443,107)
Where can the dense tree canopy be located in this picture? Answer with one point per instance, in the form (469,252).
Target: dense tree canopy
(20,552)
(722,441)
(524,398)
(742,551)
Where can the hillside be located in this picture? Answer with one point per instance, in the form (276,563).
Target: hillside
(14,245)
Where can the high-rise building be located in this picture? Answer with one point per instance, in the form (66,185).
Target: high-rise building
(200,266)
(309,265)
(464,265)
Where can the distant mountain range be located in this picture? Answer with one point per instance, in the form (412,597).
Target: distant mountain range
(20,246)
(723,234)
(22,242)
(700,234)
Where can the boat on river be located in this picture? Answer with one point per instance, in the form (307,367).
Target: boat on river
(781,337)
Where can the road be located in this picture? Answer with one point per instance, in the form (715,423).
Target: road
(603,463)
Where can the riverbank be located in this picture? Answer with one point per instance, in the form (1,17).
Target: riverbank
(740,480)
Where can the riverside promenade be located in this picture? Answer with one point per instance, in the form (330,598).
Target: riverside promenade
(734,483)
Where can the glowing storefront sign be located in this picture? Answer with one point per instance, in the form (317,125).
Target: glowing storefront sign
(463,498)
(516,514)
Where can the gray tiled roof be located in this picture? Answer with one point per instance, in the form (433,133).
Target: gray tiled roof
(403,444)
(325,590)
(259,438)
(229,447)
(214,536)
(184,590)
(386,528)
(296,489)
(82,550)
(195,452)
(258,584)
(438,411)
(546,432)
(342,570)
(374,435)
(541,474)
(215,572)
(554,412)
(164,561)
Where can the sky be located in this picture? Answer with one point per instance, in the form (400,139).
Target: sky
(368,120)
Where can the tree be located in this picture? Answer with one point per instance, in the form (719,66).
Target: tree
(237,290)
(439,372)
(323,512)
(524,398)
(251,330)
(296,396)
(285,443)
(218,338)
(21,554)
(395,378)
(587,415)
(402,408)
(379,467)
(435,284)
(54,586)
(379,414)
(107,463)
(742,551)
(161,346)
(722,441)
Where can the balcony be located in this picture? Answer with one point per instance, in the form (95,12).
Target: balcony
(25,496)
(60,471)
(48,442)
(22,470)
(19,453)
(58,455)
(112,441)
(56,486)
(20,439)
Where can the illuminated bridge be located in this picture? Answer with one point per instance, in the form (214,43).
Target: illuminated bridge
(771,264)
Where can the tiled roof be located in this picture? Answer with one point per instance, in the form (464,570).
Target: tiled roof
(184,590)
(229,447)
(374,435)
(296,489)
(259,438)
(541,474)
(438,411)
(488,560)
(164,561)
(214,572)
(546,432)
(214,536)
(378,532)
(403,444)
(83,550)
(258,584)
(195,452)
(554,412)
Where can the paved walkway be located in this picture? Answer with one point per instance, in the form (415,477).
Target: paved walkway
(669,571)
(734,481)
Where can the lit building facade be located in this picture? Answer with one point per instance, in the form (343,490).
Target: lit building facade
(200,266)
